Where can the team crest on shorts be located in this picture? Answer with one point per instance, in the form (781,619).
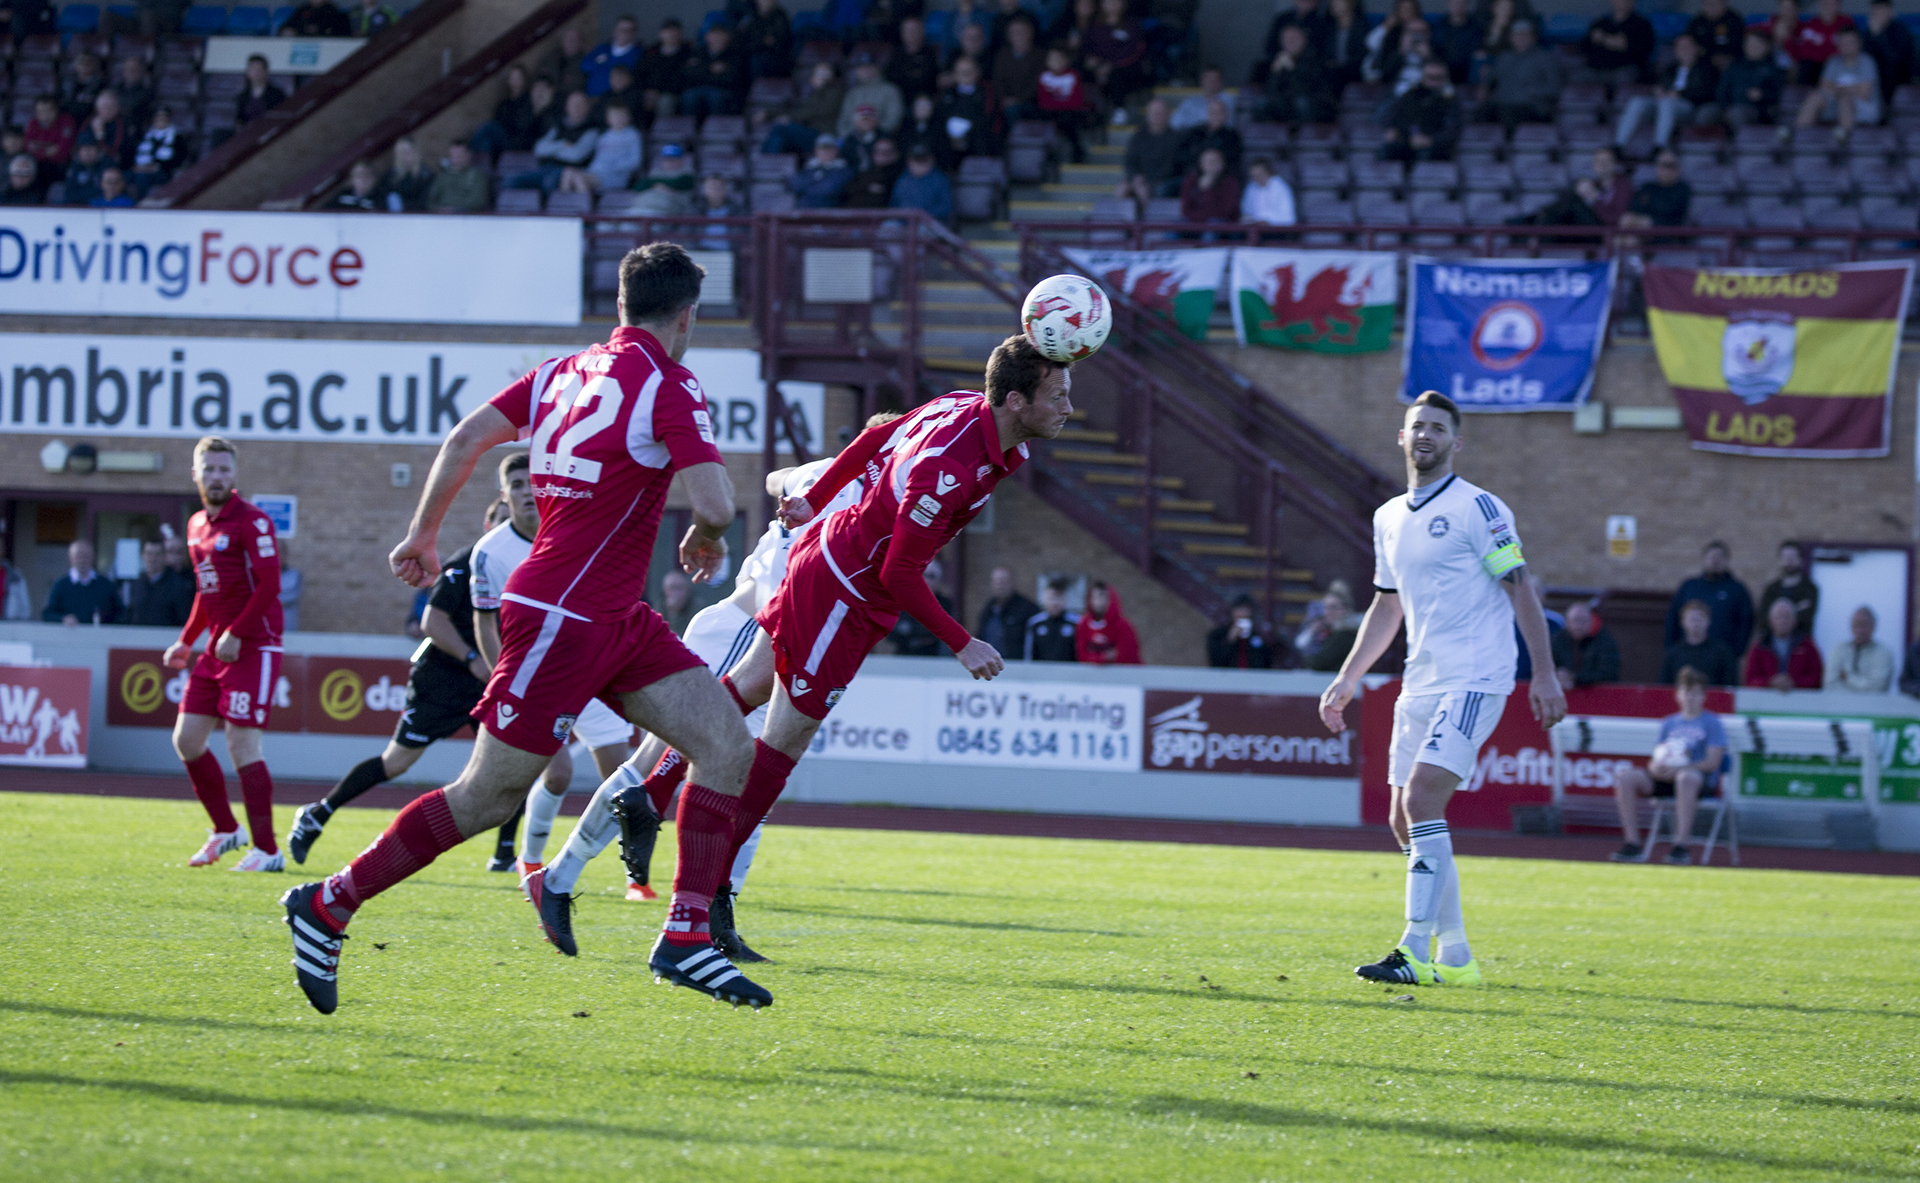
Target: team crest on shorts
(563,726)
(834,696)
(1438,527)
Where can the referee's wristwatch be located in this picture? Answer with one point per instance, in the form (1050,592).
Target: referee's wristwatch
(473,655)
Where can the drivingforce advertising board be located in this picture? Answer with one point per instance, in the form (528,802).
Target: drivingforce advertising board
(268,266)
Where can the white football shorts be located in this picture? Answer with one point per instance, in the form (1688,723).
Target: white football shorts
(1444,730)
(600,726)
(720,635)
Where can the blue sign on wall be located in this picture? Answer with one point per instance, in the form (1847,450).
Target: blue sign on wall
(1509,335)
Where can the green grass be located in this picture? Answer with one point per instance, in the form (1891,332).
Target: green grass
(949,1007)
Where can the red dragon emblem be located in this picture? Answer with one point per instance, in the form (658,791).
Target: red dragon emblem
(1152,290)
(1318,314)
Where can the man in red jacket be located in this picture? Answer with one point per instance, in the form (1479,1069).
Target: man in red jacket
(236,568)
(1783,659)
(1104,636)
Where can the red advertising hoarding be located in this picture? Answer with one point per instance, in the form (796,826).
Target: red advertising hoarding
(1264,734)
(43,715)
(315,694)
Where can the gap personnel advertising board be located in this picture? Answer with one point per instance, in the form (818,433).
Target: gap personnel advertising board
(1514,335)
(375,392)
(272,266)
(1782,363)
(1179,285)
(1265,734)
(43,715)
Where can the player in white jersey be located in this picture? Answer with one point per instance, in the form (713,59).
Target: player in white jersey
(605,733)
(633,799)
(1447,562)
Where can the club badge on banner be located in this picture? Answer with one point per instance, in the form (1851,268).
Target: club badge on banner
(1321,301)
(1179,285)
(1505,336)
(1782,363)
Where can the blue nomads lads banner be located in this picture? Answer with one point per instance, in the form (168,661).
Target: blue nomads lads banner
(1508,335)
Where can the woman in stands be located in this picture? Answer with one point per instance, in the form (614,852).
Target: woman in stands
(1210,193)
(408,182)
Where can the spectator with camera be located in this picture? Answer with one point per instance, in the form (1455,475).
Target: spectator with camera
(1688,763)
(1239,644)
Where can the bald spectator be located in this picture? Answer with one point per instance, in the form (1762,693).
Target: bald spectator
(1699,650)
(1584,652)
(1003,620)
(1525,81)
(1156,157)
(82,595)
(23,184)
(1192,111)
(1784,659)
(1017,68)
(1861,664)
(1725,597)
(1794,586)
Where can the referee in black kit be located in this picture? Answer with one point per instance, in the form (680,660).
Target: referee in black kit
(448,677)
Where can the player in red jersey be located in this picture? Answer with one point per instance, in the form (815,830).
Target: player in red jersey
(236,566)
(847,582)
(609,428)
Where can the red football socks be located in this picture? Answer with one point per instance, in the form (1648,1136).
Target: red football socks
(210,785)
(664,779)
(735,691)
(765,782)
(256,789)
(423,832)
(704,829)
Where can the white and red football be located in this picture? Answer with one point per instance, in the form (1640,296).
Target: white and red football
(1067,317)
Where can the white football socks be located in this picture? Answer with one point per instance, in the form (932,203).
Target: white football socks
(743,862)
(596,828)
(1450,926)
(1428,867)
(542,808)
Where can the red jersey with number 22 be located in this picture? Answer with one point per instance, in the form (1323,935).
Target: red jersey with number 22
(609,427)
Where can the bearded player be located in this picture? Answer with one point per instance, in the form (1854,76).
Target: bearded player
(609,428)
(1447,562)
(236,569)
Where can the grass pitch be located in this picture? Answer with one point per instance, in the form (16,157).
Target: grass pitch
(948,1008)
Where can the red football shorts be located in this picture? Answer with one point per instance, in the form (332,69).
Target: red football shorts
(821,632)
(241,692)
(552,665)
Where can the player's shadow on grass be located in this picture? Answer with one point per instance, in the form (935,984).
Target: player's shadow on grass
(939,922)
(1883,1012)
(74,1012)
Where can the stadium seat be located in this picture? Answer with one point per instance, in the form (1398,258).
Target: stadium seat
(1321,173)
(1566,27)
(731,165)
(22,110)
(777,202)
(723,129)
(1322,136)
(1540,176)
(1162,209)
(672,129)
(1760,175)
(1114,209)
(984,169)
(249,20)
(773,166)
(770,93)
(616,201)
(1264,139)
(1490,137)
(1373,207)
(1028,163)
(224,86)
(79,18)
(1535,138)
(1434,174)
(517,201)
(1711,178)
(204,20)
(1489,209)
(44,47)
(97,44)
(513,163)
(976,201)
(219,116)
(576,205)
(1813,174)
(1370,172)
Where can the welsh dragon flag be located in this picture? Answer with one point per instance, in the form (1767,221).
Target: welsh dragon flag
(1324,301)
(1179,285)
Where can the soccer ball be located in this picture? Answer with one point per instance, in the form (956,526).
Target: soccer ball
(1066,317)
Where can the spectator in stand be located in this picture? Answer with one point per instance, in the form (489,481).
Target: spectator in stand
(872,186)
(1003,619)
(567,144)
(1307,16)
(914,639)
(109,130)
(1105,636)
(1386,38)
(1115,56)
(1004,13)
(28,18)
(23,182)
(1685,91)
(1063,100)
(1192,111)
(1424,123)
(924,187)
(1050,631)
(1794,586)
(868,87)
(1698,649)
(766,37)
(1688,760)
(662,71)
(113,190)
(1296,89)
(1267,198)
(1526,82)
(1498,18)
(1401,67)
(1718,31)
(914,66)
(1328,633)
(1238,644)
(1584,652)
(461,186)
(370,18)
(82,182)
(362,194)
(616,157)
(1890,43)
(1457,39)
(1619,46)
(1663,201)
(13,141)
(1016,72)
(1210,193)
(973,14)
(1782,31)
(716,77)
(1726,599)
(623,50)
(1075,22)
(923,130)
(1749,90)
(969,113)
(1849,91)
(1156,157)
(16,600)
(259,95)
(676,602)
(565,64)
(83,83)
(815,112)
(135,88)
(975,44)
(513,127)
(1784,659)
(158,153)
(1909,671)
(49,137)
(1346,44)
(157,597)
(82,595)
(666,191)
(823,179)
(1816,40)
(175,547)
(1216,132)
(717,200)
(882,19)
(1860,664)
(317,18)
(408,182)
(621,92)
(856,147)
